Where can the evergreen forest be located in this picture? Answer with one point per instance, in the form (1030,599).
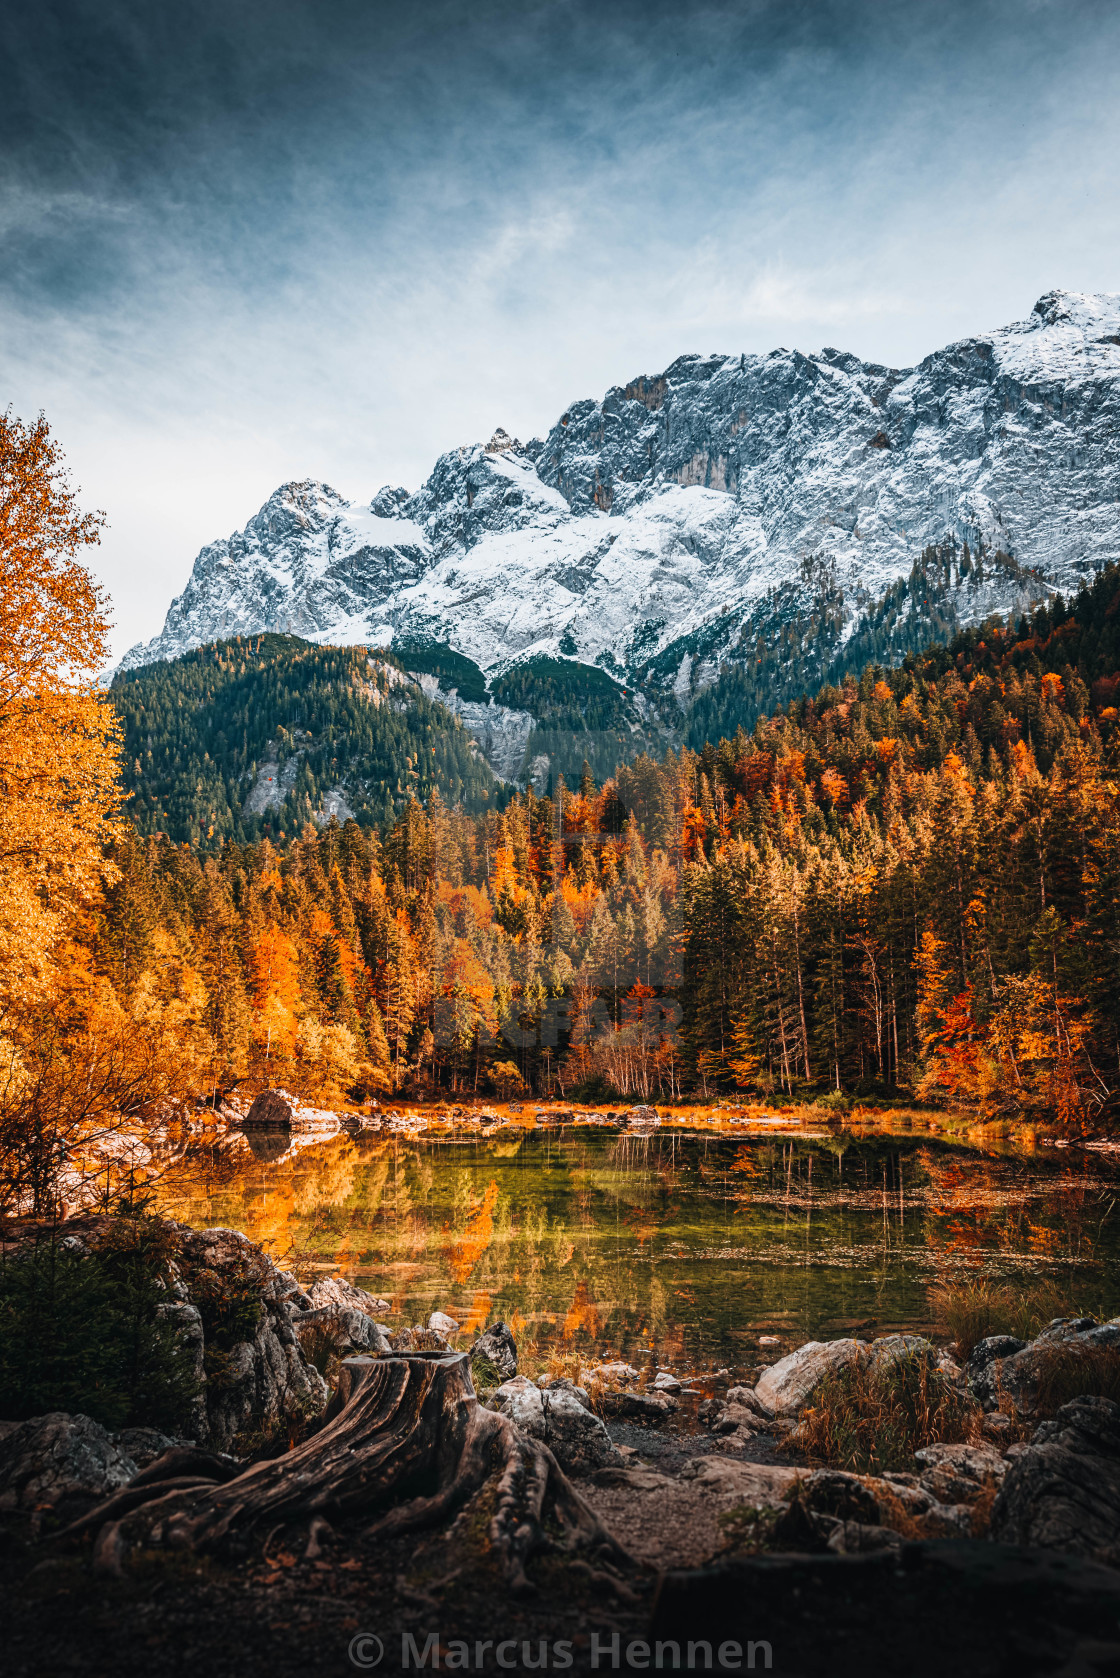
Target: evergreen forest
(908,881)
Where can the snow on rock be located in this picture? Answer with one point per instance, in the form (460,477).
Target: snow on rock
(678,501)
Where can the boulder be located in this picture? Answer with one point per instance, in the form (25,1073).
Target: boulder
(742,1419)
(1062,1491)
(641,1117)
(893,1348)
(790,1384)
(747,1398)
(443,1324)
(516,1384)
(853,1538)
(561,1383)
(143,1445)
(62,1463)
(1011,1375)
(830,1491)
(346,1331)
(342,1295)
(499,1348)
(663,1382)
(577,1439)
(987,1350)
(761,1484)
(959,1473)
(639,1407)
(263,1386)
(277,1110)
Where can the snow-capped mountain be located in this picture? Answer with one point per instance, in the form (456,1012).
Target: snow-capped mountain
(648,530)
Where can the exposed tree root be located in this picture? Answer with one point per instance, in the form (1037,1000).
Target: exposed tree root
(404,1439)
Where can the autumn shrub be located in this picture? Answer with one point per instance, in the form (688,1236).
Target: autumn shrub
(1068,1371)
(83,1331)
(507,1080)
(870,1417)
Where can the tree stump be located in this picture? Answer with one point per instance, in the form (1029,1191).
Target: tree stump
(404,1440)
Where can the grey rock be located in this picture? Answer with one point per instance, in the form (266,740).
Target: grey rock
(894,1348)
(986,1351)
(336,1291)
(847,1497)
(788,1385)
(664,1382)
(1062,1491)
(142,1445)
(277,1110)
(638,1406)
(347,1331)
(264,1386)
(417,1339)
(577,1438)
(561,1383)
(852,1538)
(60,1462)
(1013,1377)
(619,1372)
(959,1473)
(948,1520)
(498,1346)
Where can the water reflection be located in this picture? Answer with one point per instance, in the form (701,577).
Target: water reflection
(692,1245)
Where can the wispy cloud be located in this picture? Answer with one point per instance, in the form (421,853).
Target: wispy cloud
(320,237)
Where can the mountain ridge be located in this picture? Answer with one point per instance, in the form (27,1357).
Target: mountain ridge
(660,531)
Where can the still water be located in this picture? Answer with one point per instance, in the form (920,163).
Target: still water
(692,1245)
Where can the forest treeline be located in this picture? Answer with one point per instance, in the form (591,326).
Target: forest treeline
(909,882)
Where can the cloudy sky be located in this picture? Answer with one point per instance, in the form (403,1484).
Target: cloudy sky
(252,240)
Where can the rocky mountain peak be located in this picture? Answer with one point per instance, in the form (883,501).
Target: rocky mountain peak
(656,530)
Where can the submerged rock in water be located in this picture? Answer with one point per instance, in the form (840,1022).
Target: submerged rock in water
(1063,1489)
(60,1462)
(663,1382)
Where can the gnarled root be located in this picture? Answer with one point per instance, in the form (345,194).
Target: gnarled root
(404,1435)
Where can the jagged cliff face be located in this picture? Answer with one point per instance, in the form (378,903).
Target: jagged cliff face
(649,529)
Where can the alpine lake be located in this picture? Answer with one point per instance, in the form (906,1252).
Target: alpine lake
(687,1241)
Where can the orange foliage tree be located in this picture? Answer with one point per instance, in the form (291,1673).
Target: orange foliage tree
(59,736)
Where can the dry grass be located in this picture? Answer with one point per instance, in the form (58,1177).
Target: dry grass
(1067,1372)
(871,1419)
(972,1311)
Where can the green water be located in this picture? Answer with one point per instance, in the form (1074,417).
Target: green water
(690,1245)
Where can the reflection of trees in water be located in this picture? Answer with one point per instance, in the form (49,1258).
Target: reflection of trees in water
(616,1240)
